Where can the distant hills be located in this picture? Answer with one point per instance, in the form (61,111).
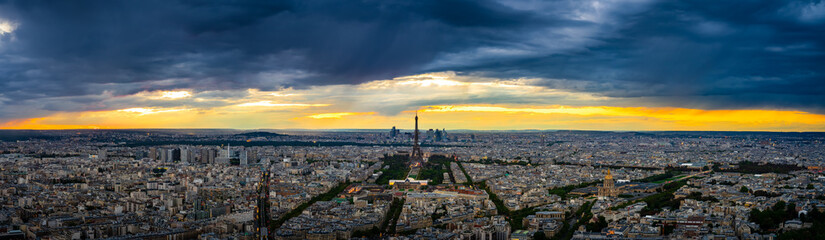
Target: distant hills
(260,134)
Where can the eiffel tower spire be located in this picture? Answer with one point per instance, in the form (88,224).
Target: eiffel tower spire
(416,153)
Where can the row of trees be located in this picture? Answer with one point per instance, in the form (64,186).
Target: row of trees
(329,195)
(563,191)
(772,217)
(756,168)
(660,200)
(816,231)
(661,177)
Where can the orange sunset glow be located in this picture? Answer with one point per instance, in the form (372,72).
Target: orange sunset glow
(386,103)
(489,117)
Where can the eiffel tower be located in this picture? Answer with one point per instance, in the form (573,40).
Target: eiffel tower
(416,156)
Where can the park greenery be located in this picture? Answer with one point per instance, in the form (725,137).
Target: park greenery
(699,197)
(563,191)
(763,193)
(395,212)
(584,214)
(513,217)
(518,161)
(757,168)
(770,219)
(726,183)
(398,168)
(596,226)
(67,180)
(816,231)
(435,168)
(660,178)
(660,200)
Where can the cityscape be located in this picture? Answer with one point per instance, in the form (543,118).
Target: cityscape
(412,120)
(410,184)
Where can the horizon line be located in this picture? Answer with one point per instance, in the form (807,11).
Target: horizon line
(381,129)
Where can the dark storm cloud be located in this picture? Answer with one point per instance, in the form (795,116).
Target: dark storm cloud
(705,54)
(708,54)
(68,45)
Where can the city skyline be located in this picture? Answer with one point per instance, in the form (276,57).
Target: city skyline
(412,119)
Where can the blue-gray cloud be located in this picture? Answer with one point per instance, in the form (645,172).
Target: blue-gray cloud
(707,54)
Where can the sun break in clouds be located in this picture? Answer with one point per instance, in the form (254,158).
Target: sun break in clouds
(443,99)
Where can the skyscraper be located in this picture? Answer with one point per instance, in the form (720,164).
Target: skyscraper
(204,156)
(184,155)
(262,207)
(164,154)
(153,153)
(393,132)
(211,155)
(243,158)
(175,153)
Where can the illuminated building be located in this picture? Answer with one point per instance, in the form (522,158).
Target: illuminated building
(409,183)
(608,189)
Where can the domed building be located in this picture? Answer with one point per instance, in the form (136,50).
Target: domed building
(608,189)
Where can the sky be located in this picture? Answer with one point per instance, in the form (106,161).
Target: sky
(626,65)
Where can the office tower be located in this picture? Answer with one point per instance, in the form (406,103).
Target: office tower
(211,155)
(164,155)
(222,154)
(243,159)
(394,132)
(175,153)
(444,134)
(153,153)
(204,156)
(252,156)
(224,157)
(170,155)
(262,207)
(184,155)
